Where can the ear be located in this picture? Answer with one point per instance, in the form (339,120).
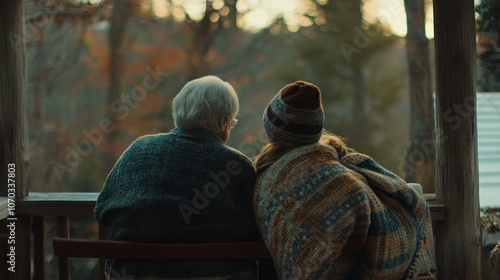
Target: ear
(224,134)
(227,123)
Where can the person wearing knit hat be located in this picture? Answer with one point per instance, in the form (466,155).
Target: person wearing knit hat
(295,115)
(327,212)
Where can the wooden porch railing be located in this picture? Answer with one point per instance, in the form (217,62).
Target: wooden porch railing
(30,213)
(30,235)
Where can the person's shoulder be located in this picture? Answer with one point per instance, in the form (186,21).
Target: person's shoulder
(153,137)
(362,163)
(236,160)
(150,139)
(304,156)
(237,155)
(356,158)
(145,144)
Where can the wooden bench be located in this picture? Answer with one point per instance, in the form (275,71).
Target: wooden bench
(106,249)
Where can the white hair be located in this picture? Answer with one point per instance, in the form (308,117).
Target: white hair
(205,103)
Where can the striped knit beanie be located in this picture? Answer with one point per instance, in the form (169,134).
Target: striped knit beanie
(295,115)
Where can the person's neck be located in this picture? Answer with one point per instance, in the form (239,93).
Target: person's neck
(200,132)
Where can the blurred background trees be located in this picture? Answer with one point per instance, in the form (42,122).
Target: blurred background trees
(104,73)
(419,164)
(488,29)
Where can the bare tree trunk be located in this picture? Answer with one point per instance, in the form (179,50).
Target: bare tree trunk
(420,156)
(232,17)
(358,81)
(121,13)
(488,45)
(204,34)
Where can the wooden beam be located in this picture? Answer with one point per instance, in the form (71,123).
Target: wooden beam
(58,203)
(458,242)
(82,204)
(13,125)
(13,104)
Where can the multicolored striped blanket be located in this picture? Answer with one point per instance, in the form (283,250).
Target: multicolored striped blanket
(325,218)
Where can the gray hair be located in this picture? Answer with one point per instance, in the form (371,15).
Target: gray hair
(205,103)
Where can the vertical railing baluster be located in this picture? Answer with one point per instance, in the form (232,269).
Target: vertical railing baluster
(103,235)
(23,248)
(39,258)
(63,231)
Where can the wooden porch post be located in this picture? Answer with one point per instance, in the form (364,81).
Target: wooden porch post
(458,242)
(13,110)
(13,128)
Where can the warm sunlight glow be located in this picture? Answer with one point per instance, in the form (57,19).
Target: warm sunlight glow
(263,13)
(392,13)
(178,13)
(256,19)
(258,14)
(160,8)
(214,17)
(195,9)
(217,4)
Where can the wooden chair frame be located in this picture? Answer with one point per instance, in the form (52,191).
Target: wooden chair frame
(65,248)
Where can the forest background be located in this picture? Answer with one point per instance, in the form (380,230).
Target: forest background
(101,77)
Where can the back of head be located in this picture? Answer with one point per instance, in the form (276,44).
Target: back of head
(205,103)
(293,118)
(295,115)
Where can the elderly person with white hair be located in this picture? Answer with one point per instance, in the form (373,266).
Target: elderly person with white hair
(185,186)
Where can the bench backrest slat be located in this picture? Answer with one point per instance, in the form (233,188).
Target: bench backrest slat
(107,249)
